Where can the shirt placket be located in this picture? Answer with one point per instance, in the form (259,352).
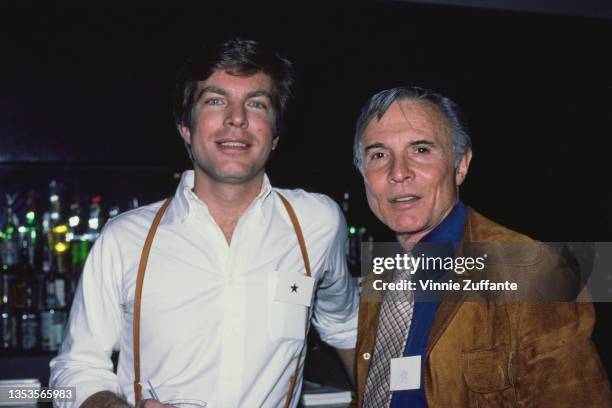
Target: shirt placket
(234,322)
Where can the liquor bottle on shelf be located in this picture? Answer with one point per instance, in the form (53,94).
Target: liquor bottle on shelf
(113,211)
(9,257)
(8,334)
(77,224)
(95,221)
(23,303)
(45,242)
(349,247)
(133,203)
(79,249)
(357,235)
(53,224)
(47,318)
(9,242)
(51,323)
(54,314)
(79,242)
(20,281)
(55,203)
(33,231)
(58,251)
(28,324)
(60,273)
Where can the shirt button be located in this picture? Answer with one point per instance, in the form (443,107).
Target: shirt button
(366,356)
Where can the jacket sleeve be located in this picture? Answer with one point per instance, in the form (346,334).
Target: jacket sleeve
(557,363)
(93,330)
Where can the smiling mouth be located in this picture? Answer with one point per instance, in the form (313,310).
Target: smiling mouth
(233,144)
(404,199)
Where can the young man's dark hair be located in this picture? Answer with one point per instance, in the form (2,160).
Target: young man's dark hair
(236,57)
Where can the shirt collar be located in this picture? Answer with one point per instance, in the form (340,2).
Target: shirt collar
(450,230)
(445,238)
(187,204)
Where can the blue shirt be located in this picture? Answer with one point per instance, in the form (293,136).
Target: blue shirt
(448,234)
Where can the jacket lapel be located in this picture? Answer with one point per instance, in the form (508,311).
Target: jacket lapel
(444,315)
(447,309)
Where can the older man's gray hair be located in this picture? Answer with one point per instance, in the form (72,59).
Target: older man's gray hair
(379,103)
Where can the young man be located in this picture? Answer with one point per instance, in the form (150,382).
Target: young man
(225,299)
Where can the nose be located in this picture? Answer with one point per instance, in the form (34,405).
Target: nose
(236,116)
(400,171)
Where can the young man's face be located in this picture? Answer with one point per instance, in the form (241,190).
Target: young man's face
(410,180)
(232,132)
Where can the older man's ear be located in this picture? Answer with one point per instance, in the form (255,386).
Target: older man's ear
(463,167)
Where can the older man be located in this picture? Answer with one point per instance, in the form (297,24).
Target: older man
(414,152)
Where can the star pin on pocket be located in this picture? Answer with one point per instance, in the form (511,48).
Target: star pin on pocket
(294,288)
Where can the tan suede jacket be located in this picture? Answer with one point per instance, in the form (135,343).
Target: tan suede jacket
(503,354)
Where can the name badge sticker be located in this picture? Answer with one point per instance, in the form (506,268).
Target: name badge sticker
(405,373)
(294,288)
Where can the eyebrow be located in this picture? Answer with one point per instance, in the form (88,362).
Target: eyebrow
(255,94)
(422,142)
(373,146)
(414,143)
(211,89)
(221,91)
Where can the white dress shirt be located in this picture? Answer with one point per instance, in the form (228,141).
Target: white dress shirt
(211,328)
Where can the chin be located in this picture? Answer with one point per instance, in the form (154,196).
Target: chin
(407,226)
(232,172)
(407,231)
(234,178)
(233,169)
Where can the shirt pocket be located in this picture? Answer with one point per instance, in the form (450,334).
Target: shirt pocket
(286,321)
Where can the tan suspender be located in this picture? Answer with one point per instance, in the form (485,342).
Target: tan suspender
(140,279)
(144,256)
(300,237)
(298,233)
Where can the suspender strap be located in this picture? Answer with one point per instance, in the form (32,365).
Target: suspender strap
(298,233)
(140,279)
(302,243)
(138,297)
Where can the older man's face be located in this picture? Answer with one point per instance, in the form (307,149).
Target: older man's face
(410,180)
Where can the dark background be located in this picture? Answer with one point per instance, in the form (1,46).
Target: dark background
(86,92)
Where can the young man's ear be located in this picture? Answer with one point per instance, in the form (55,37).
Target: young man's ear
(463,167)
(185,133)
(186,136)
